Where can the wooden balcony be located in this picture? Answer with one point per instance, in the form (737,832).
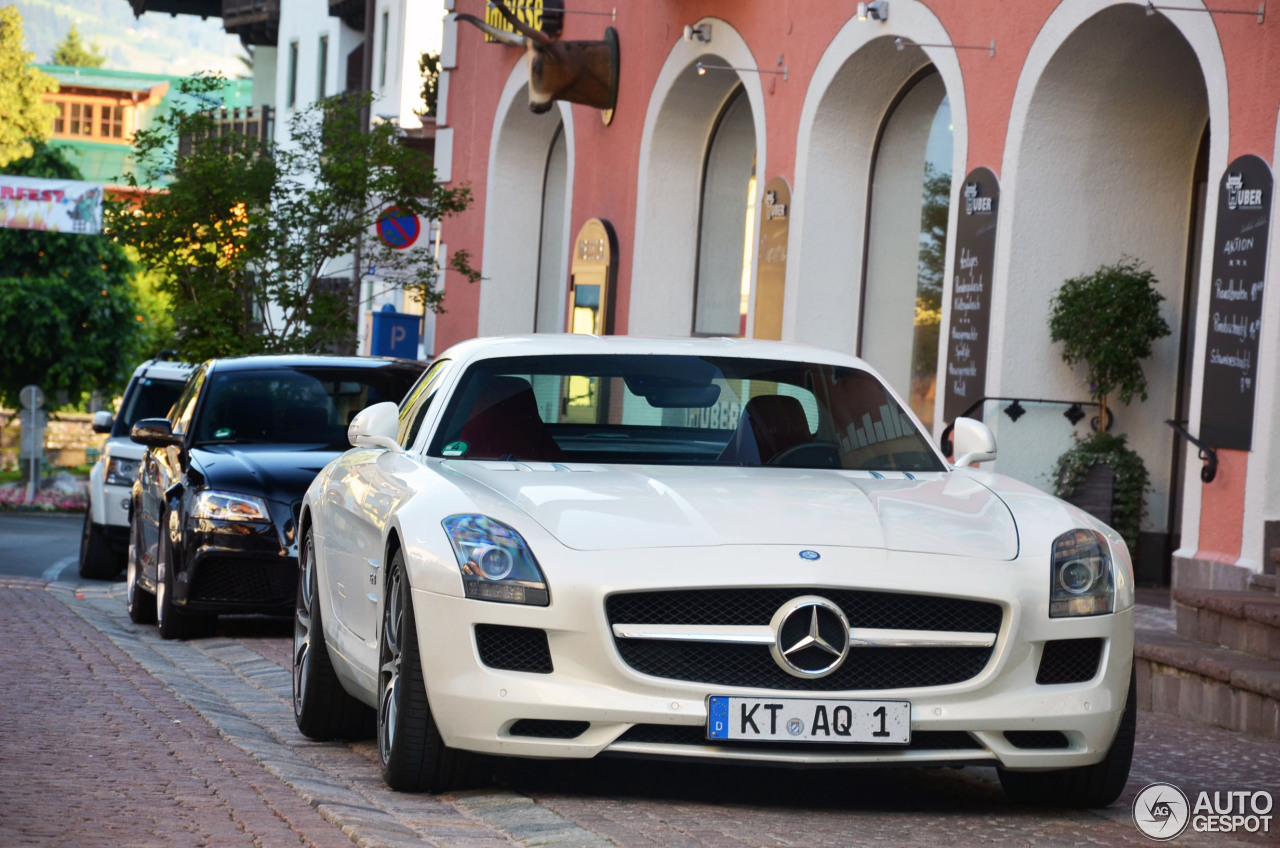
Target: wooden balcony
(350,11)
(253,124)
(255,21)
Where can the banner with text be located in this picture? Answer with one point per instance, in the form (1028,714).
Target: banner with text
(965,379)
(1235,304)
(56,206)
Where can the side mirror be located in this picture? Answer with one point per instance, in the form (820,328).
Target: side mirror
(973,441)
(376,427)
(102,421)
(155,433)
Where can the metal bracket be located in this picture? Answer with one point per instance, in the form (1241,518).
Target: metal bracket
(1210,456)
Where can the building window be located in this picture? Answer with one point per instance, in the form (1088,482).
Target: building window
(382,64)
(292,99)
(906,246)
(725,254)
(111,122)
(90,118)
(322,72)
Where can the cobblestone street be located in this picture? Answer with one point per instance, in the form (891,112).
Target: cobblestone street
(113,737)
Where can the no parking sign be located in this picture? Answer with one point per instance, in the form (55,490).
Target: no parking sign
(398,228)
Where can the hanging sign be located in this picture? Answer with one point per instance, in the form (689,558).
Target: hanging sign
(56,206)
(771,268)
(546,16)
(1235,304)
(965,378)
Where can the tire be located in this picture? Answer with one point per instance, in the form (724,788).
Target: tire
(411,752)
(1097,785)
(321,707)
(173,622)
(97,562)
(140,603)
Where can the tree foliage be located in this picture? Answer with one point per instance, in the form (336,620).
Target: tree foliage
(1128,504)
(68,320)
(73,52)
(255,242)
(24,116)
(429,66)
(1108,321)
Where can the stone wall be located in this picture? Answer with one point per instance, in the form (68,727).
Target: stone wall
(66,438)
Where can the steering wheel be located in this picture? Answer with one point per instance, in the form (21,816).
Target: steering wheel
(814,454)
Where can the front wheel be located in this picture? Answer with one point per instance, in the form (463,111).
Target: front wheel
(413,756)
(321,707)
(97,562)
(174,622)
(1097,785)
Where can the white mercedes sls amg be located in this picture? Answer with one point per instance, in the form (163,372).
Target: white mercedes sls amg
(716,549)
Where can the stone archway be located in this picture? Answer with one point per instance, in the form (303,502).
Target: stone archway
(527,213)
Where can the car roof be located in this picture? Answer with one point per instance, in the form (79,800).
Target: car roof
(541,344)
(294,360)
(164,369)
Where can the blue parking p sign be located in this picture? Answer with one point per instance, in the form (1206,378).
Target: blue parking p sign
(395,334)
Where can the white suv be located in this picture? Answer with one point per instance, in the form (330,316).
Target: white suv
(154,387)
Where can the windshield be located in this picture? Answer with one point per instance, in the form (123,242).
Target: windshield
(681,410)
(147,398)
(300,405)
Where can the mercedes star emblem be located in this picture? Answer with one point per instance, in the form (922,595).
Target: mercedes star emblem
(811,637)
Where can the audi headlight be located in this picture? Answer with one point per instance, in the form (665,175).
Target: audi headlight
(121,472)
(496,563)
(226,506)
(1083,581)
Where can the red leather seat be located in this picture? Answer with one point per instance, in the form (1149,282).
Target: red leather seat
(770,424)
(504,424)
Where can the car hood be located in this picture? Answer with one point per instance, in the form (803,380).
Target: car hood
(614,507)
(276,473)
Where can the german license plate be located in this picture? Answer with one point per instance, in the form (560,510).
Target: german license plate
(808,720)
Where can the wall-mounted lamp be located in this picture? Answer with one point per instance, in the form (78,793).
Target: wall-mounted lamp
(876,10)
(703,67)
(903,43)
(1152,8)
(701,32)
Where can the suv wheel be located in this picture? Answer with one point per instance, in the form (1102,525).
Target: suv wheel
(97,562)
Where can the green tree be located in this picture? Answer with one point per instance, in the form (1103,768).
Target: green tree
(429,66)
(73,52)
(23,114)
(68,321)
(1108,320)
(255,244)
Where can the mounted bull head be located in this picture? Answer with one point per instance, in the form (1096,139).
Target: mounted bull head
(583,72)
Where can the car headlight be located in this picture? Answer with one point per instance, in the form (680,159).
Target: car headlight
(121,472)
(226,506)
(496,563)
(1082,575)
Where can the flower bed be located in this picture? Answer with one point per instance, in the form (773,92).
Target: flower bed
(15,498)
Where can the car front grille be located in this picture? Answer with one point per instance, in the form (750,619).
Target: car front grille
(753,666)
(1069,661)
(514,648)
(245,581)
(696,734)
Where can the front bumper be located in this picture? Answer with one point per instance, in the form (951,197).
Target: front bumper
(239,566)
(613,709)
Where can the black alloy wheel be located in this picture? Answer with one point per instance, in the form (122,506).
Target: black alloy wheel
(140,603)
(322,709)
(174,622)
(411,751)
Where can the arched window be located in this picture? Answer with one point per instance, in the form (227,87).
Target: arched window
(724,237)
(906,241)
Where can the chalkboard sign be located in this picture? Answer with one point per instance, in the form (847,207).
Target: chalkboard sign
(965,379)
(1235,304)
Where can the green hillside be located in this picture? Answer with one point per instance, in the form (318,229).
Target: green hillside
(154,43)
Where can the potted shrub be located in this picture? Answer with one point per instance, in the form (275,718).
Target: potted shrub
(1108,320)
